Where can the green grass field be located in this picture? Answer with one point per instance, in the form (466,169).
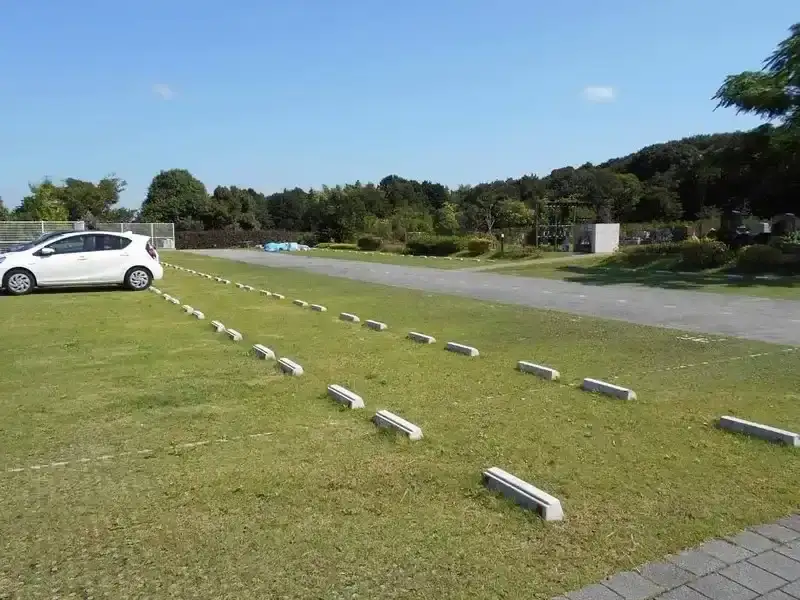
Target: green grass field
(194,470)
(387,258)
(435,262)
(595,271)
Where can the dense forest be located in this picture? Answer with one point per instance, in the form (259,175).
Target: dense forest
(755,172)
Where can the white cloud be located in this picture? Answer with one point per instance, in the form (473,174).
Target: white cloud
(163,91)
(599,93)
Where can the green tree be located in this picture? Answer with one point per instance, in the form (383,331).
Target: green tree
(176,196)
(294,209)
(772,93)
(98,199)
(44,203)
(121,215)
(446,221)
(513,213)
(4,212)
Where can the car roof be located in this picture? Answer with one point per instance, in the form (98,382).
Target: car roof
(70,232)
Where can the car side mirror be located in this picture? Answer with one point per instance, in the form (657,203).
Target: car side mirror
(46,252)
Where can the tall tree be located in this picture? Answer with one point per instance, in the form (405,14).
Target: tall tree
(44,203)
(82,197)
(176,196)
(772,93)
(4,213)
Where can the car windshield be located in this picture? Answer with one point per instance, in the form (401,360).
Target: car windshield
(28,245)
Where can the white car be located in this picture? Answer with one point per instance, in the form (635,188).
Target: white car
(80,258)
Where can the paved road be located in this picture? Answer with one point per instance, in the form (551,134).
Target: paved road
(761,563)
(776,321)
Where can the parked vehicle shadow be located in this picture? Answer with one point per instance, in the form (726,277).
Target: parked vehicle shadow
(75,290)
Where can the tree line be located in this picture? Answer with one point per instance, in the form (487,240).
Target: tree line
(754,172)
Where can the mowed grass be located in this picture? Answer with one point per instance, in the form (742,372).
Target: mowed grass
(435,262)
(326,506)
(596,272)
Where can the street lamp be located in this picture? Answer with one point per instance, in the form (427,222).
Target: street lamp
(502,243)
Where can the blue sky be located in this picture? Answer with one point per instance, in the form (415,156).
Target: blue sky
(272,94)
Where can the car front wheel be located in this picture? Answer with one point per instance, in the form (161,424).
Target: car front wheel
(138,279)
(19,282)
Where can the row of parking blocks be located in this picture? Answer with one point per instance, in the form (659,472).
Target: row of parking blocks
(519,491)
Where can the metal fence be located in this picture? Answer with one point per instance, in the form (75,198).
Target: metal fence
(12,233)
(161,234)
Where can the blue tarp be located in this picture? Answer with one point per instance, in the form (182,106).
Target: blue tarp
(281,247)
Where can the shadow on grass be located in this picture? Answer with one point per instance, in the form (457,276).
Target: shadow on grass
(74,290)
(597,275)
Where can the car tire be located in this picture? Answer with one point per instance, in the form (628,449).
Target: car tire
(138,279)
(19,282)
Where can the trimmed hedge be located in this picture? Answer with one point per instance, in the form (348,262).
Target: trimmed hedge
(704,254)
(369,243)
(759,259)
(233,238)
(518,252)
(434,245)
(337,246)
(690,254)
(477,246)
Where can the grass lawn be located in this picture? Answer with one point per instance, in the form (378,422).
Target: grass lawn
(195,470)
(435,262)
(596,272)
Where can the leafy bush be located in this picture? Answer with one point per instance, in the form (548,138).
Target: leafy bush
(369,242)
(434,245)
(308,239)
(704,254)
(394,248)
(638,256)
(788,244)
(232,238)
(336,246)
(477,246)
(662,249)
(759,259)
(518,252)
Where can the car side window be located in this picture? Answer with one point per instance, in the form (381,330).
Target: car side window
(112,242)
(69,245)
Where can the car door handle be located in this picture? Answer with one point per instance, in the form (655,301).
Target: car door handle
(124,254)
(83,258)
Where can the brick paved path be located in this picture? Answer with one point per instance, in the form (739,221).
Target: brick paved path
(761,562)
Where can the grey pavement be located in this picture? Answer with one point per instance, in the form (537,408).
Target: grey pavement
(776,321)
(759,563)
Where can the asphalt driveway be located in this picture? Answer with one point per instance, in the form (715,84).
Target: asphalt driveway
(761,319)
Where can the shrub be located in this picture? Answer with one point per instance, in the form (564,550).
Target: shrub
(759,259)
(644,254)
(788,244)
(661,249)
(433,245)
(704,254)
(336,246)
(517,252)
(394,248)
(369,242)
(308,239)
(232,238)
(477,246)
